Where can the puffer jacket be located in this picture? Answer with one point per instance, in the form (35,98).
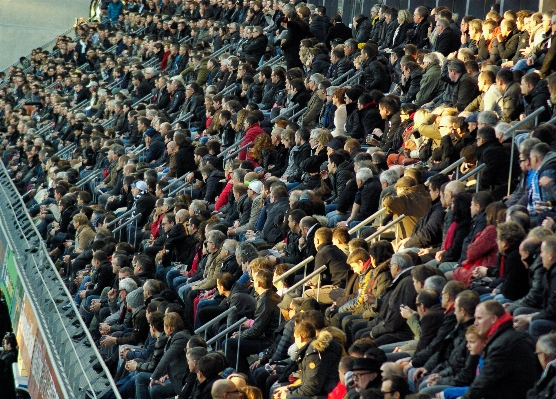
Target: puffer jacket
(338,180)
(153,360)
(318,362)
(375,75)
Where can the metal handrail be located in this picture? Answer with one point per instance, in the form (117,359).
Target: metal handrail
(216,319)
(222,50)
(268,63)
(365,222)
(80,105)
(358,74)
(472,173)
(285,112)
(307,278)
(384,228)
(293,269)
(170,185)
(449,168)
(229,148)
(146,98)
(65,149)
(113,222)
(127,223)
(339,78)
(233,154)
(513,130)
(298,113)
(90,177)
(184,185)
(226,331)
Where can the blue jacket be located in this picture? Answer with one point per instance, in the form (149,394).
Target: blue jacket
(114,10)
(156,149)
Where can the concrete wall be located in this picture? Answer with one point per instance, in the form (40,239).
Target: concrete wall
(28,24)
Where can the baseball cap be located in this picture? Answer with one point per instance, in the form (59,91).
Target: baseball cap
(140,184)
(256,186)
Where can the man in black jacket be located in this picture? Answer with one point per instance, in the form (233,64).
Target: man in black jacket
(177,97)
(260,335)
(450,363)
(419,34)
(335,276)
(447,41)
(428,230)
(510,365)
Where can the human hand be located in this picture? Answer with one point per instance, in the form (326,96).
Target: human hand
(480,271)
(406,312)
(255,364)
(82,294)
(112,294)
(548,222)
(124,351)
(420,372)
(522,321)
(108,341)
(131,365)
(545,181)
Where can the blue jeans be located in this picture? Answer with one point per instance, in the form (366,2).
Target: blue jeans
(521,65)
(541,327)
(291,186)
(77,298)
(171,275)
(330,208)
(334,218)
(183,290)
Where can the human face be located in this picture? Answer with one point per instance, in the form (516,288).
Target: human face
(386,389)
(167,226)
(526,88)
(417,18)
(383,112)
(362,378)
(483,320)
(524,163)
(475,344)
(474,208)
(458,312)
(453,75)
(547,257)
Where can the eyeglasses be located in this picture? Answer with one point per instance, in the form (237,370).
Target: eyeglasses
(523,160)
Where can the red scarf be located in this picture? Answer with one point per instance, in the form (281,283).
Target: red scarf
(503,319)
(501,269)
(449,309)
(450,236)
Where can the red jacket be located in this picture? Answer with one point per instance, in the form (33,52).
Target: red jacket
(338,392)
(223,197)
(250,137)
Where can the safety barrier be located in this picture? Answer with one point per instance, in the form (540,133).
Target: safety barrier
(448,169)
(476,171)
(52,355)
(384,228)
(365,222)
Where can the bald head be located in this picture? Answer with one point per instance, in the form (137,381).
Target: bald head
(451,189)
(221,387)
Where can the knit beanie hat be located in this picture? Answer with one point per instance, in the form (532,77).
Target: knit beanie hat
(135,298)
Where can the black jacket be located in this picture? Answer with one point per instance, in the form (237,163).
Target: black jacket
(389,320)
(213,186)
(423,354)
(318,364)
(418,35)
(447,42)
(367,198)
(500,377)
(185,159)
(347,197)
(339,179)
(319,27)
(363,31)
(335,260)
(428,230)
(375,75)
(545,387)
(537,98)
(176,100)
(272,230)
(266,317)
(514,283)
(337,31)
(548,307)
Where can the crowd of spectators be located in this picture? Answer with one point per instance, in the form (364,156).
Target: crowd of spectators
(179,158)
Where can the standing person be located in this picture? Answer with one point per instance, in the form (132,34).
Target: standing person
(7,357)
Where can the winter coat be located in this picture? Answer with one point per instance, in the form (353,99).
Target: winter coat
(389,320)
(497,161)
(412,87)
(363,31)
(140,329)
(318,364)
(250,136)
(428,230)
(185,159)
(465,91)
(414,203)
(419,34)
(535,296)
(537,98)
(173,361)
(514,281)
(501,376)
(367,199)
(339,179)
(375,74)
(320,64)
(153,360)
(447,42)
(545,387)
(388,39)
(272,230)
(511,103)
(423,353)
(338,31)
(319,27)
(335,260)
(453,253)
(430,85)
(347,197)
(266,317)
(548,307)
